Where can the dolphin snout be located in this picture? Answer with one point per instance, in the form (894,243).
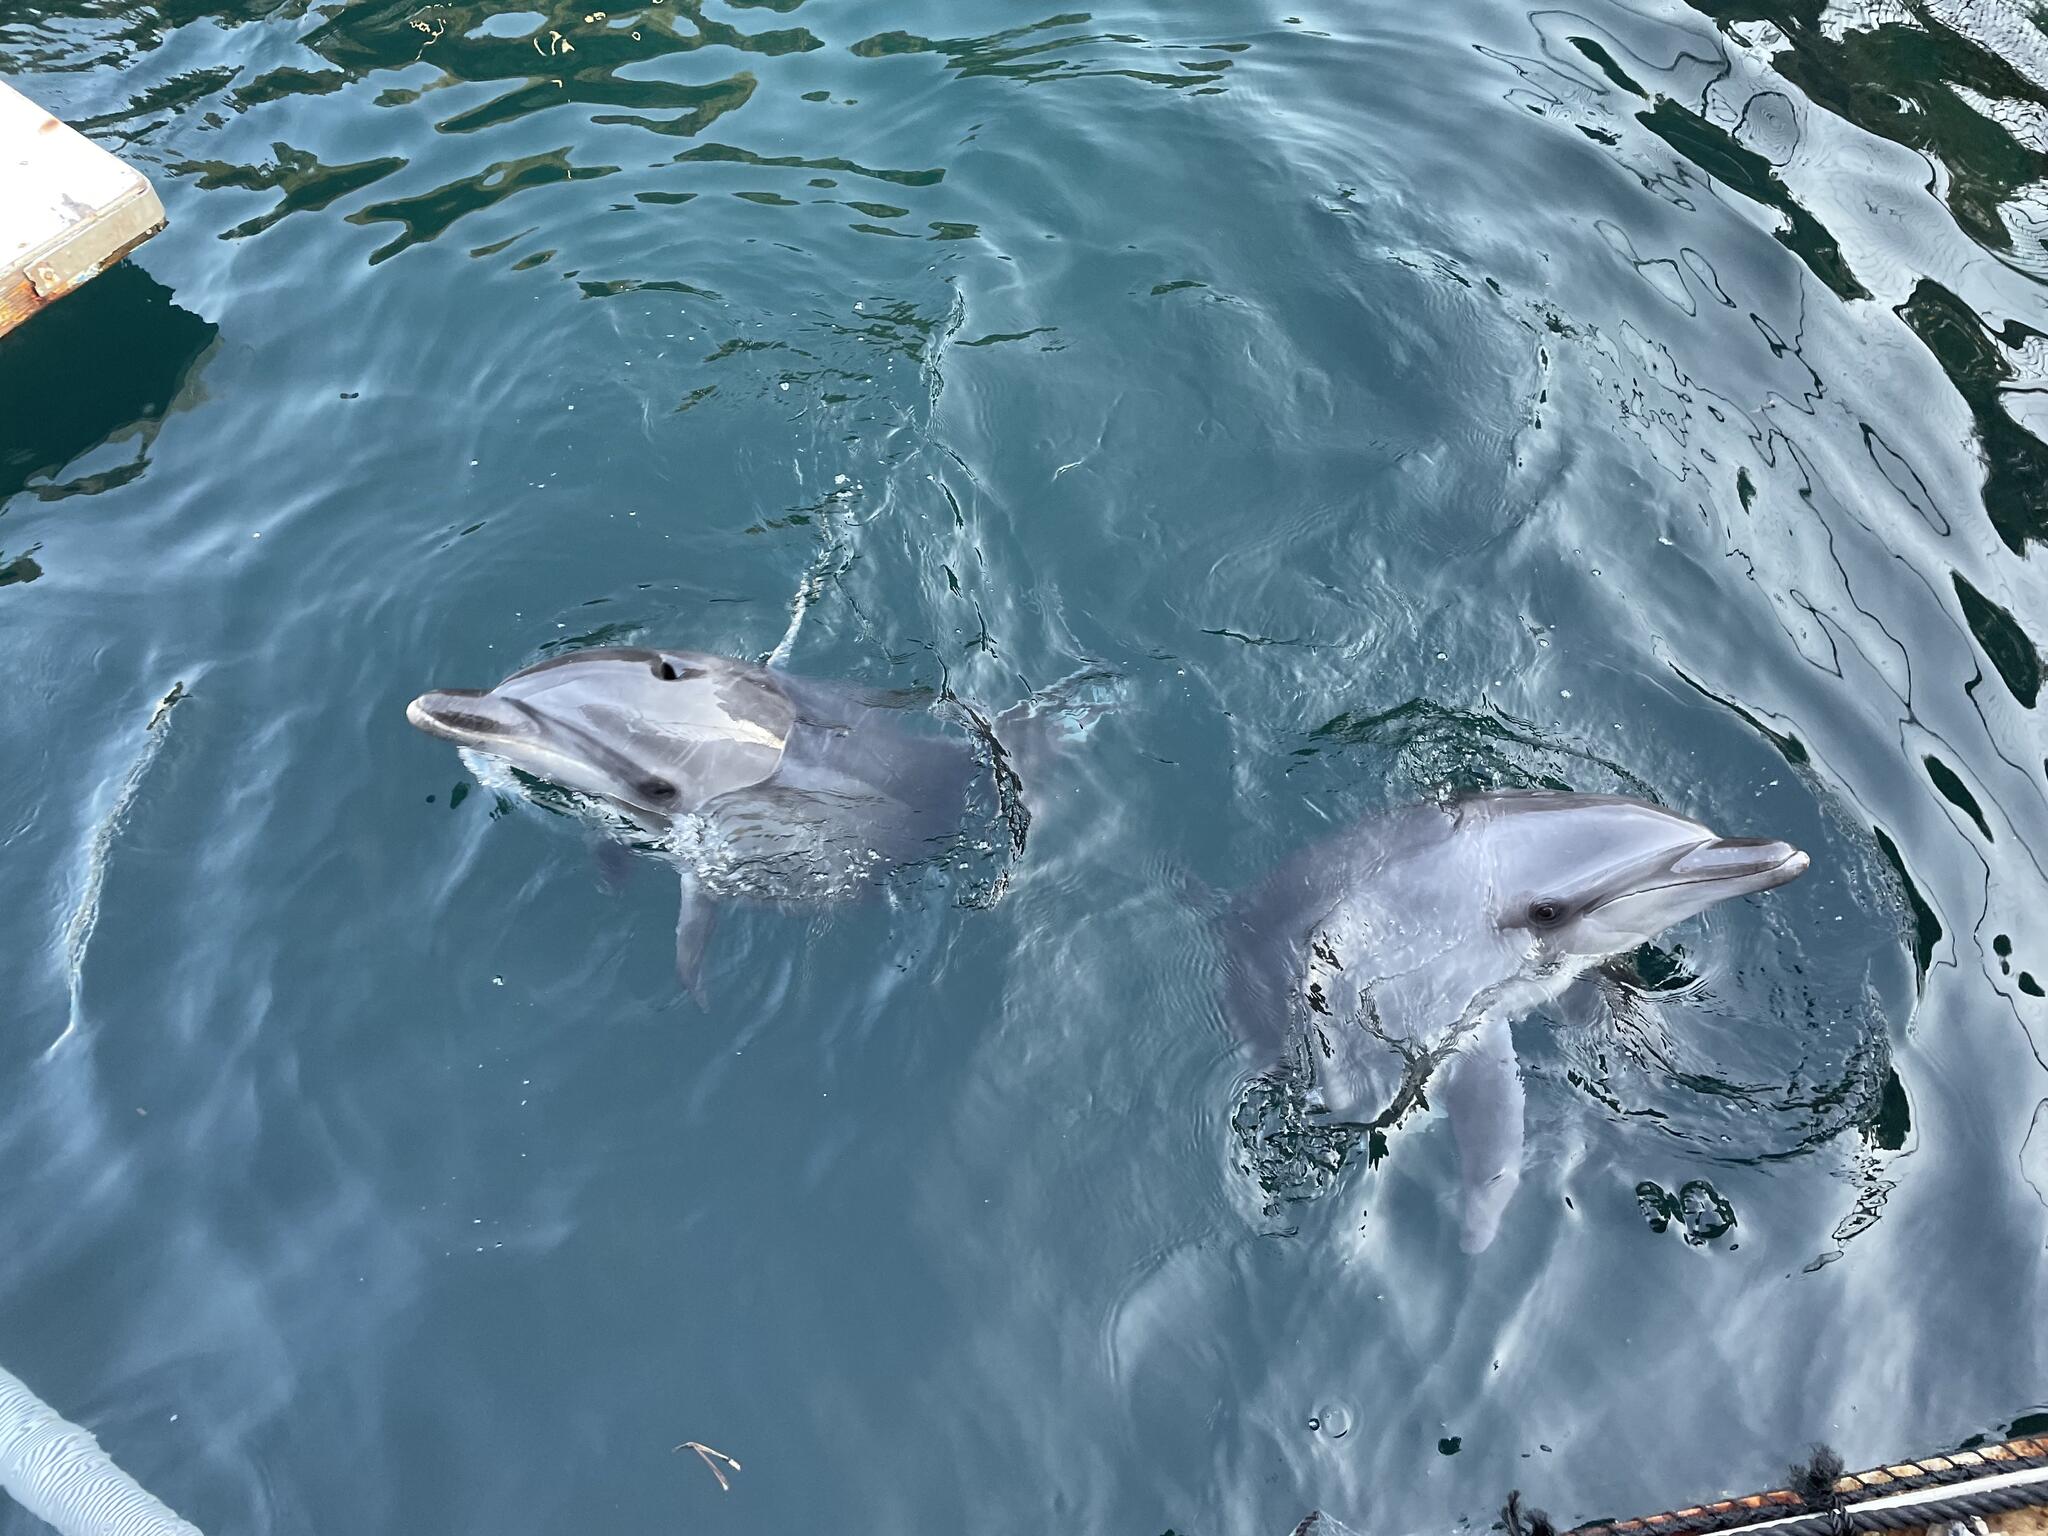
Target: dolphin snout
(1755,863)
(464,715)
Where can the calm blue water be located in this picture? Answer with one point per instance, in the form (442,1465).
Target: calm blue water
(1393,399)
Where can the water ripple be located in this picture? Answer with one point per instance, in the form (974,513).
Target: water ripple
(1616,395)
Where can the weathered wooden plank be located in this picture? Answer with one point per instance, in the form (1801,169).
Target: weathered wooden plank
(68,209)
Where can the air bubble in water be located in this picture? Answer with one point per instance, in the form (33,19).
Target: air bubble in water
(1332,1421)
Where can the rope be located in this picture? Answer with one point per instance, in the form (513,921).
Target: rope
(1996,1479)
(1914,1513)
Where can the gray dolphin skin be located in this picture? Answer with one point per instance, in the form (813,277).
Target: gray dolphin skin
(762,785)
(1401,949)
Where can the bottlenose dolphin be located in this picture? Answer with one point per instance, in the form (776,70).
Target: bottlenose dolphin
(758,784)
(1405,946)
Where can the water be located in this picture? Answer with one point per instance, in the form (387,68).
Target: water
(1392,399)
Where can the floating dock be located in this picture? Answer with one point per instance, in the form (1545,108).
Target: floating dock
(68,209)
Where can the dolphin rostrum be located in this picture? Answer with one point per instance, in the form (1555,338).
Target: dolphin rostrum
(1405,946)
(756,783)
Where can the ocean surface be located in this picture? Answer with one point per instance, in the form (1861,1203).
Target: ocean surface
(1381,401)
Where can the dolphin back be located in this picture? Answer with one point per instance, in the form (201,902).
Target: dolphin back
(1268,932)
(725,724)
(900,785)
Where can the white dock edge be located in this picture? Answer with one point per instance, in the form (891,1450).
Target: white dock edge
(60,1474)
(68,209)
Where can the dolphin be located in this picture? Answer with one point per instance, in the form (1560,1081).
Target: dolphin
(757,783)
(1402,949)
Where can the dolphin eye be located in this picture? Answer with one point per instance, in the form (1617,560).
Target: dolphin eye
(1544,913)
(664,670)
(657,791)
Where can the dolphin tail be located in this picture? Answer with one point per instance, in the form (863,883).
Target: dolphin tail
(1482,1093)
(695,919)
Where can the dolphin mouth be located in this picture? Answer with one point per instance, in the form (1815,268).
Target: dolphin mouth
(1735,865)
(467,716)
(1758,863)
(1742,865)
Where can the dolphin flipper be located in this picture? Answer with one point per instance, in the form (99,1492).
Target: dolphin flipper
(1482,1093)
(695,919)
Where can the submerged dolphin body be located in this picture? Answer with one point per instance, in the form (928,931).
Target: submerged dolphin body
(1405,946)
(761,784)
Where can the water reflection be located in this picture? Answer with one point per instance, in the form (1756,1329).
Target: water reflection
(1978,364)
(68,394)
(577,50)
(1932,90)
(1968,86)
(477,71)
(1047,50)
(1401,400)
(431,214)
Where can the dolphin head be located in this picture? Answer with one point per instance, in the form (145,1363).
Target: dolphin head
(1413,941)
(654,733)
(1583,877)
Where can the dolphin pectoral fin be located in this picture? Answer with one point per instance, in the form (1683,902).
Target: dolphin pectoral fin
(1482,1094)
(694,922)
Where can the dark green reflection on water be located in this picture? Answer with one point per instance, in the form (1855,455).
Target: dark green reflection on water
(576,49)
(727,154)
(603,68)
(433,214)
(1927,928)
(2011,649)
(1717,152)
(1942,83)
(2016,469)
(65,394)
(306,184)
(1044,50)
(1899,76)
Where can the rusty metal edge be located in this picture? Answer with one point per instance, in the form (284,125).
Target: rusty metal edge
(77,255)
